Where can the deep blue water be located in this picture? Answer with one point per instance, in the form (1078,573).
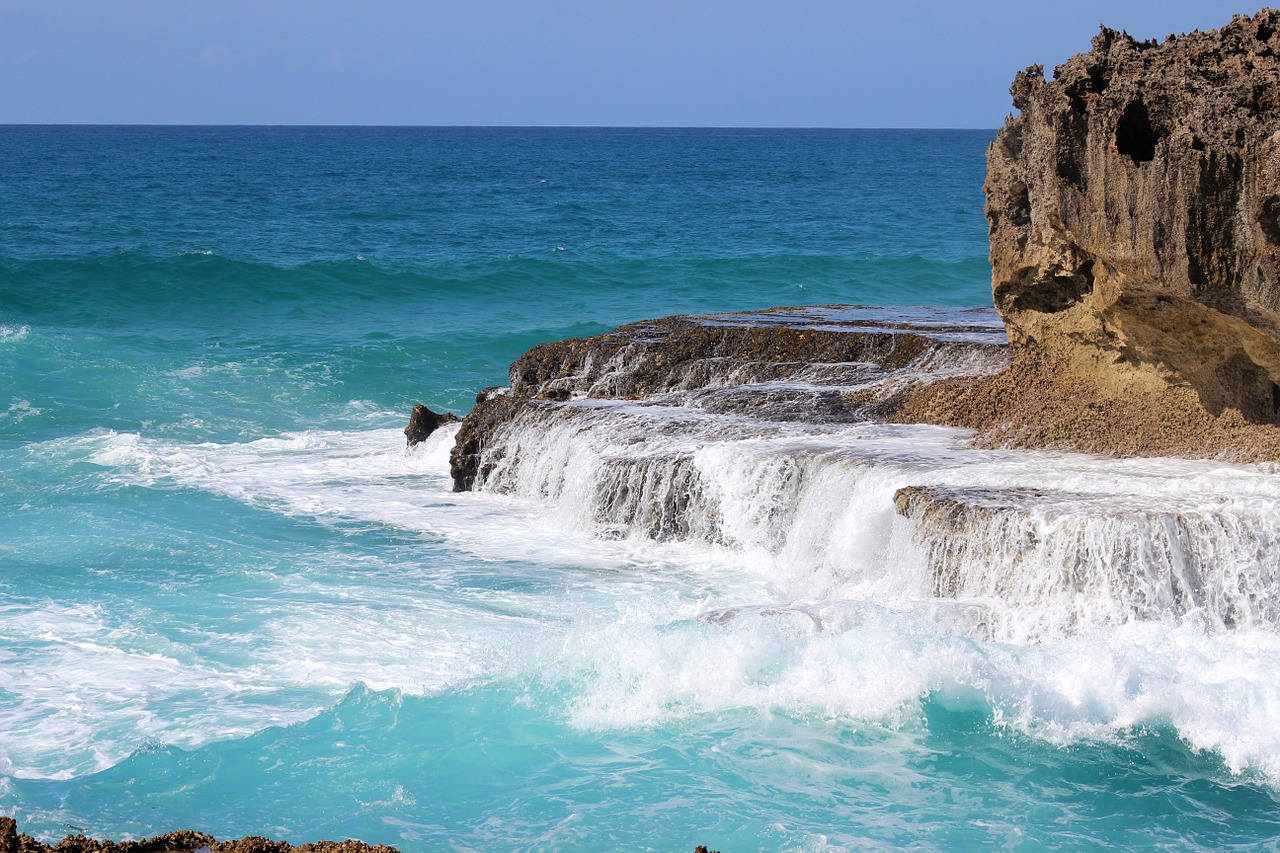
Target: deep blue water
(231,601)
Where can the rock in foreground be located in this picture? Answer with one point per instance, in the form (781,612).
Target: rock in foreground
(184,841)
(181,841)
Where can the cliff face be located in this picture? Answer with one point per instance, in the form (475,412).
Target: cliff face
(1134,211)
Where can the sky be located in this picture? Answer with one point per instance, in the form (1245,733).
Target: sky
(699,63)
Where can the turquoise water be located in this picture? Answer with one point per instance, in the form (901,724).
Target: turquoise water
(232,600)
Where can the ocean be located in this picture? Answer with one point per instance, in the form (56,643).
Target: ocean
(232,600)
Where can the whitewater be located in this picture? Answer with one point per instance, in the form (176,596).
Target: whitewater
(233,599)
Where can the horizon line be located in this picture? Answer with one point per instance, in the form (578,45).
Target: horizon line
(488,126)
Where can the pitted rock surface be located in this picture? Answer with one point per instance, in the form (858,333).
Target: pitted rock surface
(1134,213)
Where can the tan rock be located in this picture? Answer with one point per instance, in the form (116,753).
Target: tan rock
(1134,211)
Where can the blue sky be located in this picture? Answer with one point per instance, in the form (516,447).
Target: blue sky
(791,63)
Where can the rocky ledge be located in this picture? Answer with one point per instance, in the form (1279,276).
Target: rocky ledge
(1134,212)
(766,432)
(822,364)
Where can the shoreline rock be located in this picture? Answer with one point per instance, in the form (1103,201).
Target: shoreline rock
(185,841)
(180,841)
(873,360)
(1134,213)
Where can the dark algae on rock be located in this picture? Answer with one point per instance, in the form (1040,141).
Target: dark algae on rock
(1134,213)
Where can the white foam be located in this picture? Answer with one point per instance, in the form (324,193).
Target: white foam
(89,688)
(1084,541)
(807,595)
(20,410)
(873,664)
(368,476)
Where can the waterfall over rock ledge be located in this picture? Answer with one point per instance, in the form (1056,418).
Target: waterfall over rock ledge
(769,434)
(935,454)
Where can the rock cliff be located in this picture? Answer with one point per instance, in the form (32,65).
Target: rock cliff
(1134,213)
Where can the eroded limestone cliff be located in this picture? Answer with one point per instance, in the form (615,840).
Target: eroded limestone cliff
(1134,212)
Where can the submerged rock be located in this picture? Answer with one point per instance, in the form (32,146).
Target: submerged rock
(1134,211)
(423,422)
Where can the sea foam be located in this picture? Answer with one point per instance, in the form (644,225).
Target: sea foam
(811,599)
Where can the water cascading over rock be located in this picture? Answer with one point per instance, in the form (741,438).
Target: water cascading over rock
(1134,210)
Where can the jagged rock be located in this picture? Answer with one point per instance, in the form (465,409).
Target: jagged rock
(181,841)
(465,464)
(1134,211)
(423,422)
(655,359)
(184,841)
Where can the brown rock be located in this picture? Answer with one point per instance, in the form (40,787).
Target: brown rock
(477,429)
(181,841)
(1134,211)
(253,844)
(8,835)
(687,352)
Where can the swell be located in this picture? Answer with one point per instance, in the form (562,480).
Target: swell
(129,290)
(400,770)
